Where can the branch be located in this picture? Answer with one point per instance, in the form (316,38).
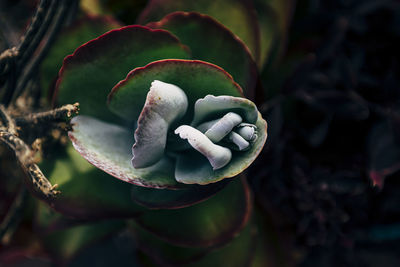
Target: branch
(62,8)
(55,115)
(11,65)
(7,68)
(34,27)
(25,157)
(7,121)
(26,54)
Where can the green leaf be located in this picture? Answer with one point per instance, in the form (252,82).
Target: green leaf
(83,30)
(237,15)
(174,199)
(274,17)
(66,243)
(196,78)
(64,237)
(118,249)
(108,147)
(88,75)
(192,167)
(222,47)
(164,253)
(210,223)
(86,192)
(236,253)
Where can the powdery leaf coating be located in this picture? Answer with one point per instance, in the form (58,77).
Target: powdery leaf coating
(239,141)
(217,155)
(211,106)
(223,126)
(108,147)
(247,131)
(165,104)
(194,168)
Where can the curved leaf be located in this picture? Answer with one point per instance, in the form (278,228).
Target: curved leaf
(88,75)
(117,249)
(274,17)
(239,252)
(236,253)
(238,15)
(165,104)
(66,243)
(210,223)
(196,78)
(174,199)
(81,31)
(211,107)
(222,47)
(108,147)
(217,155)
(192,167)
(86,192)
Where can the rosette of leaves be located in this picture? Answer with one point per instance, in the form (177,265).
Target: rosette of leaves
(113,107)
(158,91)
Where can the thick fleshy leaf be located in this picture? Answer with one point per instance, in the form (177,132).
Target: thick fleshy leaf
(196,78)
(88,75)
(222,47)
(108,147)
(194,168)
(212,222)
(272,247)
(165,104)
(238,15)
(86,192)
(223,126)
(163,253)
(174,199)
(236,253)
(118,249)
(218,156)
(64,244)
(274,18)
(82,31)
(211,107)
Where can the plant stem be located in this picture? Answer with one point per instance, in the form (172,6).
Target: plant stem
(27,43)
(8,122)
(55,115)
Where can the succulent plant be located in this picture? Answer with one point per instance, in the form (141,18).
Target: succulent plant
(166,100)
(170,117)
